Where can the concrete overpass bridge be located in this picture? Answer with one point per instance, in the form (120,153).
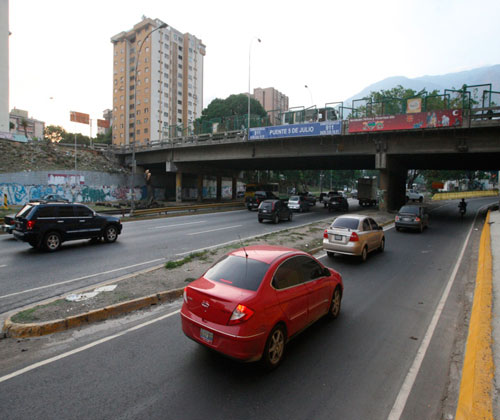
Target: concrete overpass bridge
(453,139)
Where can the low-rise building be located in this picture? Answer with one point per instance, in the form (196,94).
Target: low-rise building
(273,101)
(22,124)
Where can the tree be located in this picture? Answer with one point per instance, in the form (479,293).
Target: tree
(231,112)
(24,124)
(393,101)
(54,133)
(105,138)
(57,134)
(413,174)
(232,105)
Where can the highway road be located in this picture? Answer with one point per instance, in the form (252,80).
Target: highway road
(28,275)
(393,352)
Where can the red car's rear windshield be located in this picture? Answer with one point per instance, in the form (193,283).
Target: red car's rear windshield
(241,272)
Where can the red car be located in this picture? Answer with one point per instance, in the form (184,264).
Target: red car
(250,303)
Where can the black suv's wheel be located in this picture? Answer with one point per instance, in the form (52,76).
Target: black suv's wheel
(52,241)
(110,233)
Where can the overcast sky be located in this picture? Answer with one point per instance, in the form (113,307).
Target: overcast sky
(61,57)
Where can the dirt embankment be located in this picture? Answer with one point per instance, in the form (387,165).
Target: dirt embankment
(43,156)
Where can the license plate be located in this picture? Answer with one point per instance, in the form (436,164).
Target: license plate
(206,335)
(264,211)
(337,237)
(406,219)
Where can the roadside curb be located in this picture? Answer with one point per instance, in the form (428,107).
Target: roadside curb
(475,396)
(16,330)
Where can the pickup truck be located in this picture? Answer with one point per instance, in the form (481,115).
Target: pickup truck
(414,195)
(252,203)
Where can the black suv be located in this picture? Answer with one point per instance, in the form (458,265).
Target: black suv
(337,203)
(48,225)
(274,210)
(259,197)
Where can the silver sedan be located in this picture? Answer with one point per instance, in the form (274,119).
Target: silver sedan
(353,234)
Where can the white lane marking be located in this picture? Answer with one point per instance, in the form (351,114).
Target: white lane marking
(250,237)
(3,265)
(213,230)
(83,348)
(178,224)
(404,392)
(79,278)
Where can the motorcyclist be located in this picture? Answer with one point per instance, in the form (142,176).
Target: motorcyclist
(462,206)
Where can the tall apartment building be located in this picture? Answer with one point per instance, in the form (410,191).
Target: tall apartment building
(272,100)
(168,92)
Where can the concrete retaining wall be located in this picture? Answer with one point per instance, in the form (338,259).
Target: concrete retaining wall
(90,187)
(80,186)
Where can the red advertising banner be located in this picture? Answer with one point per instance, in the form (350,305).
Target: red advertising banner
(79,117)
(431,119)
(103,123)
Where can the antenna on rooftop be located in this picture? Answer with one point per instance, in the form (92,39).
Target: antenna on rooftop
(243,246)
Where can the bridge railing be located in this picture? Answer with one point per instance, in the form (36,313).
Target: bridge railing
(471,118)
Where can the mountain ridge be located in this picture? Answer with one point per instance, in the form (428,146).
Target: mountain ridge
(455,80)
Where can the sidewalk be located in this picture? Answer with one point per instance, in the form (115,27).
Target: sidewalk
(495,251)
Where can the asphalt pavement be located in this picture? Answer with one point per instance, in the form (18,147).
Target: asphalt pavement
(494,248)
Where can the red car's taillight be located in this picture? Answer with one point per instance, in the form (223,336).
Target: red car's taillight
(417,219)
(30,224)
(325,234)
(185,295)
(354,237)
(240,314)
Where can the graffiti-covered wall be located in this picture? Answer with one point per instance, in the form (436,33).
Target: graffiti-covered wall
(79,186)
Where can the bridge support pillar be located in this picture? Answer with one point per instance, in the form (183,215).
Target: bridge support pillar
(234,186)
(178,187)
(392,185)
(219,188)
(200,187)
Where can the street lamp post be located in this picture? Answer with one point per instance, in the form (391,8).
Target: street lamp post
(249,56)
(310,94)
(134,165)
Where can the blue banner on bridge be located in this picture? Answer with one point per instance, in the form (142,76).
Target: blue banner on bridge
(326,128)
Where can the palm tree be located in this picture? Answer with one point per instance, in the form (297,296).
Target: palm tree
(24,124)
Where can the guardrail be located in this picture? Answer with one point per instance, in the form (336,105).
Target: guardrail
(463,194)
(195,207)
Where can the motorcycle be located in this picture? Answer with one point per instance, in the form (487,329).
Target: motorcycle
(462,209)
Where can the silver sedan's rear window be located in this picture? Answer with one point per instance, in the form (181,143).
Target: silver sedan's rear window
(346,223)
